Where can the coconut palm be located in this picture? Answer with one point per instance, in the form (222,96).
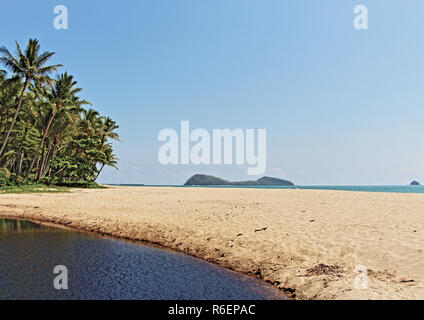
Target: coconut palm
(91,122)
(44,127)
(108,130)
(109,159)
(25,123)
(27,65)
(61,98)
(9,91)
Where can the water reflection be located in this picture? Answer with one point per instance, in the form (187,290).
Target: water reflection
(101,268)
(17,225)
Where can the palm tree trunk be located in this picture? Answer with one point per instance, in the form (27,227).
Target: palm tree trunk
(45,160)
(4,116)
(14,117)
(20,163)
(50,155)
(41,143)
(98,174)
(40,168)
(20,147)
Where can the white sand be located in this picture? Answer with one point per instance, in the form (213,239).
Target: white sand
(338,230)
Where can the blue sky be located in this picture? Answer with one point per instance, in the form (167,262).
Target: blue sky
(340,106)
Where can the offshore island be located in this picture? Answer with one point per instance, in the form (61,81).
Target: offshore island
(205,180)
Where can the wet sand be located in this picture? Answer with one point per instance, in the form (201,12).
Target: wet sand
(306,242)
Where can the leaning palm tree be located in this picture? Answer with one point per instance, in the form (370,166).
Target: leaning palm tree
(28,65)
(109,159)
(108,130)
(61,99)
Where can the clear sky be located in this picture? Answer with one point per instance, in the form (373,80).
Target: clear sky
(340,106)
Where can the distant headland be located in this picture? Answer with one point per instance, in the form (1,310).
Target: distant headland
(205,180)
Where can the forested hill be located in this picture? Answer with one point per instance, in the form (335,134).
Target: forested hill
(205,180)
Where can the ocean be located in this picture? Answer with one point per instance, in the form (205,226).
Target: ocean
(393,189)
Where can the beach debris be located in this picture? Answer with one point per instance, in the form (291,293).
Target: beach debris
(240,234)
(258,273)
(406,281)
(263,229)
(290,292)
(323,269)
(274,283)
(381,275)
(312,221)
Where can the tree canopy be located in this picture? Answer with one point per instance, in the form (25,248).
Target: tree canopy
(48,133)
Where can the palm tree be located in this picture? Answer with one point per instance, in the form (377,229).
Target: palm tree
(108,130)
(61,132)
(91,122)
(27,65)
(44,128)
(109,159)
(61,99)
(25,122)
(9,91)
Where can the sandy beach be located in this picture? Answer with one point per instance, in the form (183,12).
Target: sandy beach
(306,242)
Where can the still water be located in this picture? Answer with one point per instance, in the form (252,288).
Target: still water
(103,268)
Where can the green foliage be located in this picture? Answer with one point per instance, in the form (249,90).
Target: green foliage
(81,184)
(5,173)
(47,135)
(4,176)
(32,188)
(72,169)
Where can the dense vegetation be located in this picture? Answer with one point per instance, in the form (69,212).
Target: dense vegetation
(47,136)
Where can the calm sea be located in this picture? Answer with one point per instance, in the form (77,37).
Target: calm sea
(396,189)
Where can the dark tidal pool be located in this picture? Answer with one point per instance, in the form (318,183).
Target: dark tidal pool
(103,268)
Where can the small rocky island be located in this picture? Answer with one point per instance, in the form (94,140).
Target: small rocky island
(414,183)
(205,180)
